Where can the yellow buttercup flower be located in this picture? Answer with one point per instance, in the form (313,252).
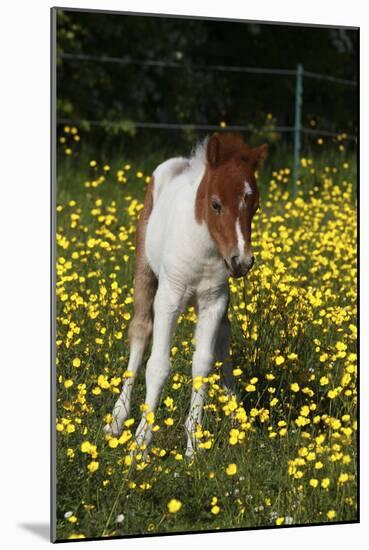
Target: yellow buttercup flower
(113,442)
(174,506)
(85,447)
(72,519)
(197,382)
(231,469)
(150,418)
(128,374)
(93,466)
(325,483)
(343,478)
(237,372)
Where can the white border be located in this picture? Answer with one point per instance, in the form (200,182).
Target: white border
(24,184)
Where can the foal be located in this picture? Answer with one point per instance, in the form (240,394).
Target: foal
(193,234)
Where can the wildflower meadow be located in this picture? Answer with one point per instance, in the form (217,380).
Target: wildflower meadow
(282,450)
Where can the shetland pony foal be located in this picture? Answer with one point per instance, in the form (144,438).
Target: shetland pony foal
(193,234)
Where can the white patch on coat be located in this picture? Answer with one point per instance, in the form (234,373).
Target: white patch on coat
(188,265)
(248,190)
(168,171)
(240,239)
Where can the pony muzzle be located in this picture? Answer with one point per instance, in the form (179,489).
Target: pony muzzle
(238,266)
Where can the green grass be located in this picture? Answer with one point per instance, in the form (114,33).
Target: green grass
(302,247)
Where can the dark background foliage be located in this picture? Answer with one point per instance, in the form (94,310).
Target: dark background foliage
(119,94)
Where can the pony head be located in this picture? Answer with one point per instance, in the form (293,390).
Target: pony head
(228,198)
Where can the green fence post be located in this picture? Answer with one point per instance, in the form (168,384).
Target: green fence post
(297,132)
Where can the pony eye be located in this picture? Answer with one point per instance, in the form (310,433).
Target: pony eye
(216,206)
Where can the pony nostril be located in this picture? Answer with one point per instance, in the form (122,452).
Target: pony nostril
(235,260)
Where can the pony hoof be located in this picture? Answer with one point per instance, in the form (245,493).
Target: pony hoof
(190,454)
(107,429)
(142,455)
(111,429)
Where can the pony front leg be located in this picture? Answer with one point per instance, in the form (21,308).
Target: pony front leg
(211,312)
(167,307)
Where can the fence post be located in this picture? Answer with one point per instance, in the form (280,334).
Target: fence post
(297,131)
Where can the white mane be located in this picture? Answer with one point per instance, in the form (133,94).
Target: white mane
(199,151)
(193,166)
(197,159)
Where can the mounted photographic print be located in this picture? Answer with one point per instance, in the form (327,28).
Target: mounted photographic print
(204,262)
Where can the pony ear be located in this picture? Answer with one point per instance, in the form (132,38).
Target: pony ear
(213,150)
(260,153)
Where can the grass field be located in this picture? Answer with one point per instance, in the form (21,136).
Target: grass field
(284,451)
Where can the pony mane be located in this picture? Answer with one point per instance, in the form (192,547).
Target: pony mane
(232,145)
(198,152)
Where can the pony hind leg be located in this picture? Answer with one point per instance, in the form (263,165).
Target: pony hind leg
(140,329)
(222,348)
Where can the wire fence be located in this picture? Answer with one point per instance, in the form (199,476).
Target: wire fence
(299,73)
(176,126)
(233,127)
(194,66)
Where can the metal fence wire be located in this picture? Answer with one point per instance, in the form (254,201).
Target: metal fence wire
(297,129)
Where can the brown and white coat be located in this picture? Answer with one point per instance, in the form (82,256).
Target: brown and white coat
(193,234)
